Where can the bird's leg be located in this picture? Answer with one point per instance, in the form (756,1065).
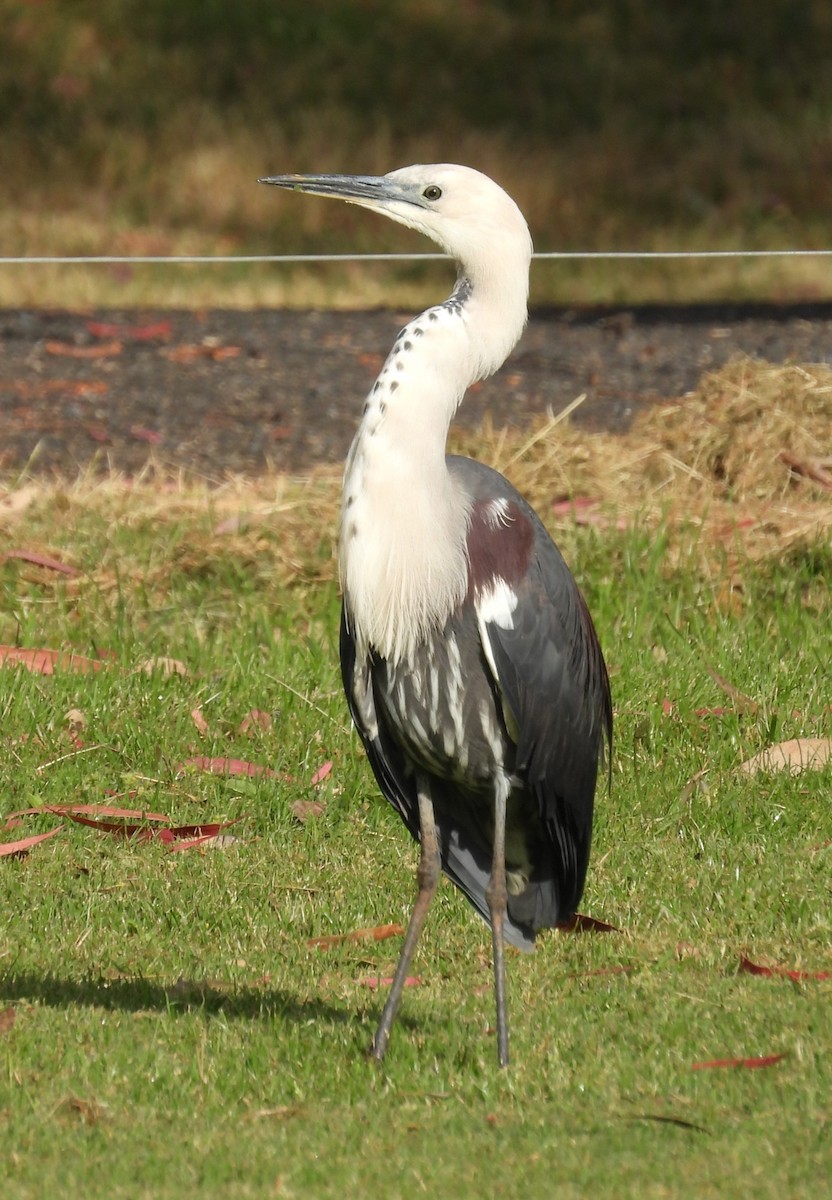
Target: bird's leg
(496,897)
(428,878)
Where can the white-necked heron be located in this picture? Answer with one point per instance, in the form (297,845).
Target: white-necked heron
(470,662)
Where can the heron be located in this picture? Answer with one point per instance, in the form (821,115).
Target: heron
(470,662)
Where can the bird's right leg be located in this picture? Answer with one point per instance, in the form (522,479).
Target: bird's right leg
(428,878)
(496,896)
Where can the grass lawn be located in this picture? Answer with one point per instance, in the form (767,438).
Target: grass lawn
(165,1022)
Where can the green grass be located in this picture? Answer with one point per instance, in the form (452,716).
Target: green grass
(173,1029)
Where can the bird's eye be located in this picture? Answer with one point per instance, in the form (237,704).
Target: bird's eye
(432,192)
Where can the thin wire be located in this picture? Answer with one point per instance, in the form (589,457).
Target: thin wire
(223,259)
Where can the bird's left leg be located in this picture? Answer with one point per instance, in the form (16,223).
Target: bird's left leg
(496,896)
(428,878)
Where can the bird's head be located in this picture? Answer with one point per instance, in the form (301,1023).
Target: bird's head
(467,213)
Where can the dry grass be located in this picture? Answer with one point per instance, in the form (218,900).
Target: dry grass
(717,460)
(744,462)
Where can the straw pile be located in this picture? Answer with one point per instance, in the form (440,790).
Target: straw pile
(747,456)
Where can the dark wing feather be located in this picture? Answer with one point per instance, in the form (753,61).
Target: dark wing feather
(553,680)
(464,859)
(384,754)
(552,676)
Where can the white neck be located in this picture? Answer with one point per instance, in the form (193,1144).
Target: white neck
(403,518)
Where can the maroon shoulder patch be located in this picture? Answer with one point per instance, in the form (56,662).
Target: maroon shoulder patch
(500,538)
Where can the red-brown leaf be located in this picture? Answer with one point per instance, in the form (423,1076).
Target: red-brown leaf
(100,810)
(67,350)
(97,432)
(146,435)
(133,824)
(24,844)
(226,766)
(767,1060)
(375,934)
(186,837)
(42,560)
(753,968)
(7,1019)
(136,333)
(581,924)
(321,773)
(118,828)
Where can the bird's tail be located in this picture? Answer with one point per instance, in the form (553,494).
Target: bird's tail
(470,869)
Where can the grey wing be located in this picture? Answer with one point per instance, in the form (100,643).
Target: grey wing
(385,756)
(553,681)
(465,861)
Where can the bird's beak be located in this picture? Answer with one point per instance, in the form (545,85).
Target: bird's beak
(370,191)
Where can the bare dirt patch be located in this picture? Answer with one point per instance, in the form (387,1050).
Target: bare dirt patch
(221,392)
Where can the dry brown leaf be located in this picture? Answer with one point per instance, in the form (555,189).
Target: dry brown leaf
(12,504)
(90,1112)
(8,1016)
(304,809)
(743,702)
(164,666)
(189,353)
(141,434)
(810,469)
(796,755)
(255,719)
(47,662)
(280,1113)
(374,982)
(199,721)
(75,720)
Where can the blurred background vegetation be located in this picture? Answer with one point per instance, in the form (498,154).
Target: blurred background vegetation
(139,126)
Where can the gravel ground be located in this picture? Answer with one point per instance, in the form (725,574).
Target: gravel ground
(221,391)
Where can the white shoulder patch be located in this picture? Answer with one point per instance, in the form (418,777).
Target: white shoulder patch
(495,604)
(496,607)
